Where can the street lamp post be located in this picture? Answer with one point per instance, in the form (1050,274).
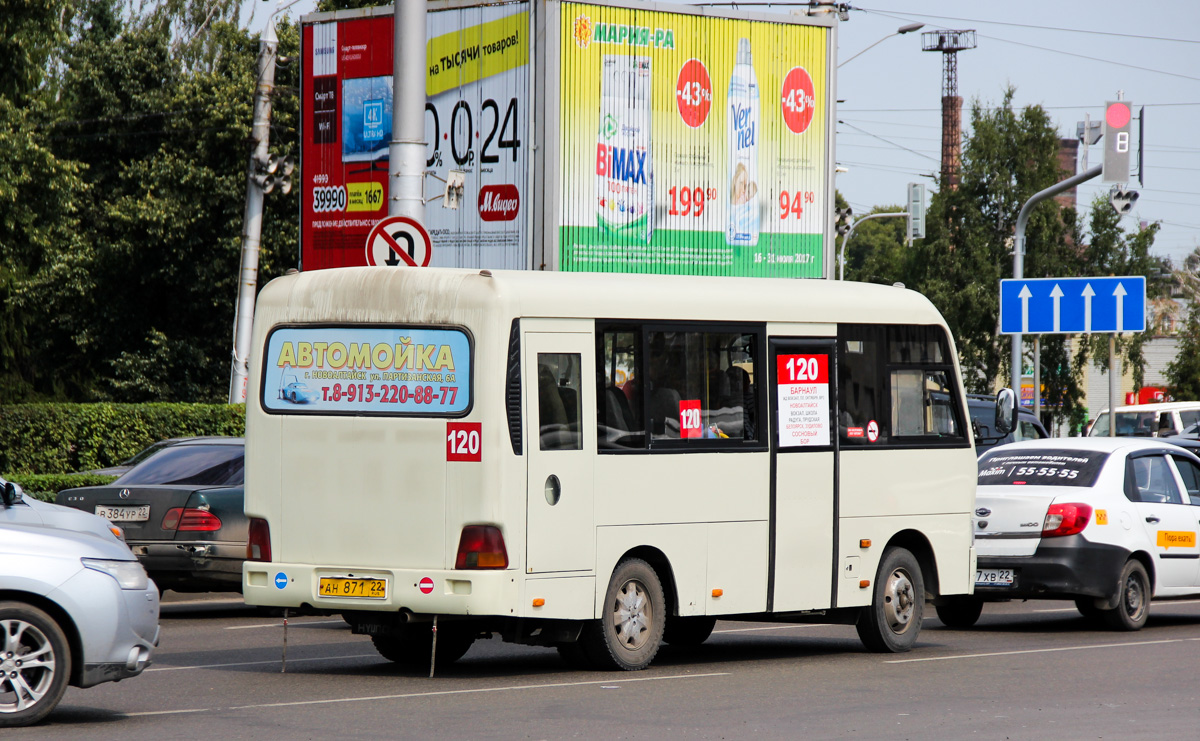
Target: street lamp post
(902,30)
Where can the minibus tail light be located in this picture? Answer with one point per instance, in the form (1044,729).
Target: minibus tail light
(1066,519)
(481,547)
(259,546)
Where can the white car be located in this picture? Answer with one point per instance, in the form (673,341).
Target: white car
(76,608)
(1110,523)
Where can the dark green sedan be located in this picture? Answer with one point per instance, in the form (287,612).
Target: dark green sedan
(182,512)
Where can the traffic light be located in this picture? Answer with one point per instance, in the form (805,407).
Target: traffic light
(1122,200)
(275,171)
(1117,117)
(843,220)
(916,210)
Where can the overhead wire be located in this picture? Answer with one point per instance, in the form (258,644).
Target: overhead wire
(1030,25)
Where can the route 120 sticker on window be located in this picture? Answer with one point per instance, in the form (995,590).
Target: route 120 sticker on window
(803,392)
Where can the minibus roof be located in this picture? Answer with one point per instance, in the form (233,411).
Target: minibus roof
(373,294)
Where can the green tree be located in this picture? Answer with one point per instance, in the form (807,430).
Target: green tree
(1183,373)
(1110,250)
(156,110)
(1008,156)
(877,250)
(38,189)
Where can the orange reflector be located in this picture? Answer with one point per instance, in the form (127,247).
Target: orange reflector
(538,602)
(864,543)
(718,592)
(864,583)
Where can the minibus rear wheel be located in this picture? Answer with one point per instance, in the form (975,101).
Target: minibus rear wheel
(629,632)
(891,623)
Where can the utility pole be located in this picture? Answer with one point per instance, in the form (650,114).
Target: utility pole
(259,181)
(406,152)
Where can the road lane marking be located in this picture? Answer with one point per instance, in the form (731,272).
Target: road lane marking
(1042,650)
(1163,603)
(290,625)
(258,663)
(773,627)
(167,712)
(478,690)
(607,683)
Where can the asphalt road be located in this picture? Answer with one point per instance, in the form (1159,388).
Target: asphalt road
(1028,670)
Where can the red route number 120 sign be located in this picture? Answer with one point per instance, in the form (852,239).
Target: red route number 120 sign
(463,441)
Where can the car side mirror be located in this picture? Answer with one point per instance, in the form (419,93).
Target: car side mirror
(1006,411)
(11,494)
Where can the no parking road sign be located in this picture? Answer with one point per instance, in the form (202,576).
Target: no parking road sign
(398,241)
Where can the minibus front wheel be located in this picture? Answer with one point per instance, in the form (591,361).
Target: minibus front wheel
(891,623)
(629,632)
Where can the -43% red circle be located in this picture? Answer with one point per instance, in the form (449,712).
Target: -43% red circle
(798,99)
(693,93)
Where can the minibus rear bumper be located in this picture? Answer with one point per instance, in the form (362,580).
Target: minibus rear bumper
(427,591)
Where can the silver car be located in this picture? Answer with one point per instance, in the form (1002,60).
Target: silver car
(76,608)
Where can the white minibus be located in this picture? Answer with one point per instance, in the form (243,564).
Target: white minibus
(602,463)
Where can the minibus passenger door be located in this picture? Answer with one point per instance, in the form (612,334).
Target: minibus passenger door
(804,441)
(560,423)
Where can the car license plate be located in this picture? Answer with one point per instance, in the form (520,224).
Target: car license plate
(329,586)
(994,577)
(139,513)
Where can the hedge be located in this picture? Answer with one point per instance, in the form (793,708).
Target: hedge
(45,486)
(64,438)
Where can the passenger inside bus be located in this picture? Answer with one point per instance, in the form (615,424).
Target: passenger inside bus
(662,383)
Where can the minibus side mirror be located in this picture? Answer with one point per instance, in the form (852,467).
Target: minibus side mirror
(1006,411)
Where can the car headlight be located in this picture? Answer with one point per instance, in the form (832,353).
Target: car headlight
(129,574)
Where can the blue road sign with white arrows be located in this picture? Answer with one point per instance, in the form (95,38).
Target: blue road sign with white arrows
(1072,305)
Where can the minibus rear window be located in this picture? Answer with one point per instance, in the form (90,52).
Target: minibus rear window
(367,370)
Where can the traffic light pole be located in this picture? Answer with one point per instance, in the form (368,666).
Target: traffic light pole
(1019,257)
(260,134)
(850,233)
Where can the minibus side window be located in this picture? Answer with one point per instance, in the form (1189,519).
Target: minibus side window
(559,404)
(701,386)
(860,396)
(619,417)
(924,397)
(921,404)
(896,386)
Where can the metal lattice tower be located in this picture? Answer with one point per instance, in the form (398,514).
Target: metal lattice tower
(949,43)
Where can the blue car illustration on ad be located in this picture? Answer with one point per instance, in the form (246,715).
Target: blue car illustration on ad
(295,391)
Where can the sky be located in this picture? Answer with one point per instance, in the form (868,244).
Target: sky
(1069,58)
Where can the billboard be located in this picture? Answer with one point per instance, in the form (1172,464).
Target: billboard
(692,144)
(592,137)
(477,87)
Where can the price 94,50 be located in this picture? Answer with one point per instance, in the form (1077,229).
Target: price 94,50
(791,205)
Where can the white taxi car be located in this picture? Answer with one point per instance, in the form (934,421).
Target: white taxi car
(1110,523)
